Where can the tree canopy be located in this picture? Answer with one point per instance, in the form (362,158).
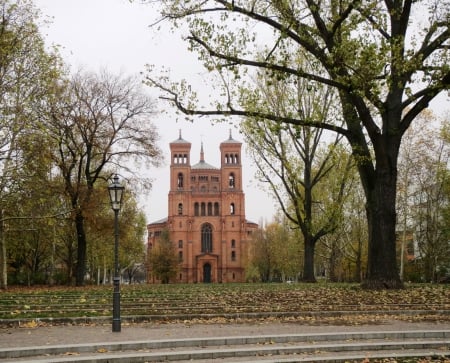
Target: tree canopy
(387,60)
(27,73)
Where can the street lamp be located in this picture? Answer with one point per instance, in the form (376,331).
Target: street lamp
(115,194)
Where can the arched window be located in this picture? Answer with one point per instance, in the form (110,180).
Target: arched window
(207,238)
(180,180)
(232,210)
(203,209)
(236,159)
(210,209)
(216,209)
(231,180)
(233,243)
(196,209)
(180,209)
(180,256)
(233,255)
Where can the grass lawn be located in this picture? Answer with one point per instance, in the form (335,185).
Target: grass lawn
(347,303)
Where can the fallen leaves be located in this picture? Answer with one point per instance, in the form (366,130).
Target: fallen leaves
(307,303)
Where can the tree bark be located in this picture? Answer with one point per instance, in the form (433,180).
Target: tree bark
(358,263)
(382,269)
(3,262)
(308,267)
(332,262)
(81,249)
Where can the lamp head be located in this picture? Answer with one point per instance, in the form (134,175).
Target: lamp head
(115,193)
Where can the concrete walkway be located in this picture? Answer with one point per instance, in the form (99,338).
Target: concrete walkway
(28,336)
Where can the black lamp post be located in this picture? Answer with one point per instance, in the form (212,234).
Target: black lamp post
(115,194)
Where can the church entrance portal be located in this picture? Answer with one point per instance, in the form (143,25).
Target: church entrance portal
(206,273)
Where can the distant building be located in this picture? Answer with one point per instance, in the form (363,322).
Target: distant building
(206,215)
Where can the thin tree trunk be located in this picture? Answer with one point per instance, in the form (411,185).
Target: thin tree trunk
(3,262)
(358,263)
(105,272)
(332,262)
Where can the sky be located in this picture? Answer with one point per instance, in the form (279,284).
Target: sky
(115,34)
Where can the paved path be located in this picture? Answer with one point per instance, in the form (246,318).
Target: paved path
(57,335)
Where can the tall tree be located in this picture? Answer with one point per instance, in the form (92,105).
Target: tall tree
(27,72)
(386,59)
(295,161)
(98,121)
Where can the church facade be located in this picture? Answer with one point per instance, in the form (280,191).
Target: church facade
(206,216)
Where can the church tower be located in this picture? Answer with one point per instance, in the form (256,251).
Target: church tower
(180,167)
(206,215)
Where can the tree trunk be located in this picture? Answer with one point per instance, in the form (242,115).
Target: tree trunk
(81,249)
(379,181)
(382,270)
(308,267)
(3,262)
(332,262)
(358,263)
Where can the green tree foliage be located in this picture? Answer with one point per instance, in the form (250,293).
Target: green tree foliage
(275,253)
(27,72)
(163,259)
(295,161)
(57,134)
(344,252)
(260,263)
(133,230)
(386,60)
(100,229)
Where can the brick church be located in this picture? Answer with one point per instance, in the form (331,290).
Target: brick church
(206,215)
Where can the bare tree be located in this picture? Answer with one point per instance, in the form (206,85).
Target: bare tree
(98,124)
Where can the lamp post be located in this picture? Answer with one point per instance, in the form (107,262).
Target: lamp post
(115,194)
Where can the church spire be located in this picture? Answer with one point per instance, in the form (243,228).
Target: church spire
(202,154)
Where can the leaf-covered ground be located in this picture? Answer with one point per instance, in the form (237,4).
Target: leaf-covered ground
(308,303)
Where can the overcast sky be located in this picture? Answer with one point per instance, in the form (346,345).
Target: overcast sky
(115,34)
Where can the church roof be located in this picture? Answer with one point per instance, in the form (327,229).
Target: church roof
(160,221)
(202,164)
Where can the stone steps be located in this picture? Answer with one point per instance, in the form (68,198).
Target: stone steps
(318,347)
